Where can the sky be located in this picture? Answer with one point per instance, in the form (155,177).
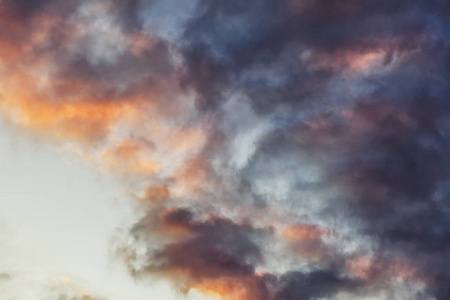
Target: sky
(237,150)
(58,217)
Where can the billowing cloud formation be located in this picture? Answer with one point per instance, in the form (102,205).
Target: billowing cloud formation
(278,150)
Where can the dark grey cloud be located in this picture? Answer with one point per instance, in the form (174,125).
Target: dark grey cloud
(25,9)
(227,40)
(317,284)
(210,248)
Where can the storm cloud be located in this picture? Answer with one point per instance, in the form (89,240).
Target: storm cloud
(275,150)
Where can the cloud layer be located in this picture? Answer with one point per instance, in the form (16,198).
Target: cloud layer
(277,150)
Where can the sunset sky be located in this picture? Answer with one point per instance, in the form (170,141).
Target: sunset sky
(235,150)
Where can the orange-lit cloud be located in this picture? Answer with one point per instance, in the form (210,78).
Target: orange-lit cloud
(382,269)
(306,239)
(230,288)
(128,157)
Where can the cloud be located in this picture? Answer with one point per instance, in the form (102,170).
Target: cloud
(66,289)
(277,150)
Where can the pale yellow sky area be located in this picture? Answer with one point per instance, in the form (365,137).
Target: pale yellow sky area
(56,221)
